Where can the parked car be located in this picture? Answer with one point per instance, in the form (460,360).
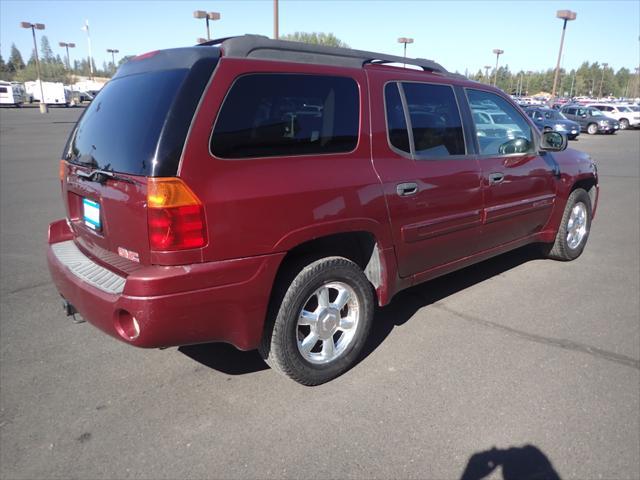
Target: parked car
(591,119)
(274,204)
(78,97)
(547,119)
(11,94)
(622,113)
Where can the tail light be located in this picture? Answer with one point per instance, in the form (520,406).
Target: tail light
(175,215)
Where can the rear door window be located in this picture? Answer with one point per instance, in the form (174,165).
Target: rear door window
(266,115)
(435,120)
(396,122)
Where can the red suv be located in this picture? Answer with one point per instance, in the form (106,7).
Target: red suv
(269,194)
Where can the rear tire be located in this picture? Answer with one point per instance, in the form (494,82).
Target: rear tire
(319,322)
(574,228)
(592,129)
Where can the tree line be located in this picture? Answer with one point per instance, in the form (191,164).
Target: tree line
(54,68)
(590,79)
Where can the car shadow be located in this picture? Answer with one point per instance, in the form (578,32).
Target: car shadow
(517,463)
(227,359)
(406,303)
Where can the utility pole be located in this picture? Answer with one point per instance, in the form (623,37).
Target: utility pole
(486,72)
(604,67)
(86,29)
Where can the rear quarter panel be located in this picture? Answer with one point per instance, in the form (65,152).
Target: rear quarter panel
(264,205)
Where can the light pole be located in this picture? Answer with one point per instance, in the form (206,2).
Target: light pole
(276,20)
(604,67)
(207,16)
(113,52)
(566,15)
(67,46)
(404,41)
(85,27)
(529,73)
(498,52)
(34,27)
(486,72)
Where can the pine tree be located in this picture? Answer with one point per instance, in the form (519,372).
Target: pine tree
(15,62)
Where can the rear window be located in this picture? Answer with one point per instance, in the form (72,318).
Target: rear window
(120,129)
(266,115)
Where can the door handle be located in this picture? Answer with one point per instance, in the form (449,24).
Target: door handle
(495,178)
(406,189)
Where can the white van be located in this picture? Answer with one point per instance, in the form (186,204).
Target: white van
(12,94)
(626,116)
(55,93)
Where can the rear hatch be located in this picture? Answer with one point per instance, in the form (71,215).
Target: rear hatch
(134,129)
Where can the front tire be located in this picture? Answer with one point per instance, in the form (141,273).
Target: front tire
(624,124)
(592,129)
(321,323)
(574,228)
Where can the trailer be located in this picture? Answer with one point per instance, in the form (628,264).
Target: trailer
(55,93)
(12,94)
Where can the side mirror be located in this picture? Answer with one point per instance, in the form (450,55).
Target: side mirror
(517,145)
(584,115)
(553,142)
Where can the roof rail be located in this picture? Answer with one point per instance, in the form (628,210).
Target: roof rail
(261,47)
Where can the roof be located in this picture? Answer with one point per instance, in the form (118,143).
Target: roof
(261,47)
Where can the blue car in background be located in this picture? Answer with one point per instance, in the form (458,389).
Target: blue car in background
(548,119)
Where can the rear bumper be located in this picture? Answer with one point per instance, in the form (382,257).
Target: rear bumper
(222,301)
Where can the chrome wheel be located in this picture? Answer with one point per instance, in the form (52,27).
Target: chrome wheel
(328,322)
(577,225)
(592,129)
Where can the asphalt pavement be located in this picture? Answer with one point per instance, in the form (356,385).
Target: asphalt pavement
(517,364)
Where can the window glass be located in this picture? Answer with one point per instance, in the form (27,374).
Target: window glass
(595,113)
(268,115)
(570,111)
(435,120)
(3,89)
(396,123)
(622,109)
(507,133)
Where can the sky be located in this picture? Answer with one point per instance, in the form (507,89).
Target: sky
(459,35)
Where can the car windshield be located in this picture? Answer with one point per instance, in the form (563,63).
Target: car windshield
(596,113)
(634,109)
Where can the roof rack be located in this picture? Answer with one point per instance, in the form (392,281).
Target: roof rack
(259,46)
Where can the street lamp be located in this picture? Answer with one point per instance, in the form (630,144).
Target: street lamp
(604,67)
(85,27)
(207,16)
(34,27)
(113,52)
(566,15)
(498,52)
(405,40)
(486,72)
(67,46)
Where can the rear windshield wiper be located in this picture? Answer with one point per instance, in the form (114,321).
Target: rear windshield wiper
(101,176)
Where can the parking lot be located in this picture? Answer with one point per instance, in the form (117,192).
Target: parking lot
(514,352)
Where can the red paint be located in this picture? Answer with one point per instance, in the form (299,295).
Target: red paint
(257,210)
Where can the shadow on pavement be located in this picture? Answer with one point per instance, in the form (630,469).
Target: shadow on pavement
(229,360)
(225,358)
(517,463)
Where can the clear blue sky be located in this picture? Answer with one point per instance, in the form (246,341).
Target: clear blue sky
(458,34)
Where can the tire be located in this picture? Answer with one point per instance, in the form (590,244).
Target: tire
(592,129)
(624,124)
(309,350)
(563,248)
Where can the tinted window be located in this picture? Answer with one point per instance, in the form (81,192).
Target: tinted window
(3,89)
(396,122)
(268,115)
(120,129)
(507,125)
(570,111)
(435,120)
